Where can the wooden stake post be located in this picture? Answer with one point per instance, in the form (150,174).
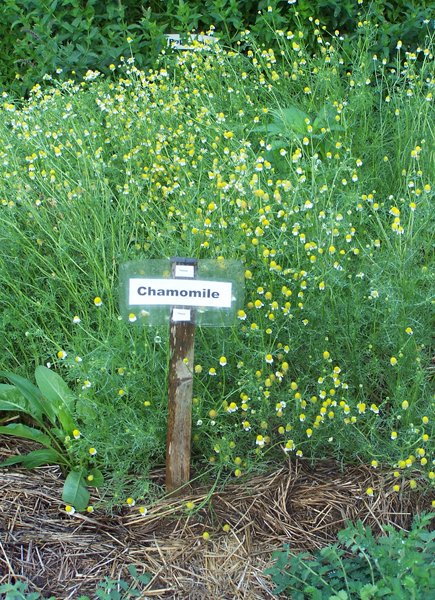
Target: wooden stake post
(180,386)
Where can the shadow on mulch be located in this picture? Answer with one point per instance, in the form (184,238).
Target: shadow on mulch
(66,556)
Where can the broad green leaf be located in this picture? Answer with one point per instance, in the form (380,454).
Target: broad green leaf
(75,492)
(12,400)
(326,118)
(132,570)
(57,393)
(59,433)
(30,393)
(260,129)
(36,458)
(292,118)
(12,460)
(67,421)
(26,432)
(278,144)
(275,128)
(97,478)
(145,578)
(342,595)
(44,456)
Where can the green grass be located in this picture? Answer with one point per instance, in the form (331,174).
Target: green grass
(315,171)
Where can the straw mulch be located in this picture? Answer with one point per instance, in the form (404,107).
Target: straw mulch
(66,556)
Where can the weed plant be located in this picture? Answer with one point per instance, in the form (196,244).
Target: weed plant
(314,170)
(108,589)
(398,564)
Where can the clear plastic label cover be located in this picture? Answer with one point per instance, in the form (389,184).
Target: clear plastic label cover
(208,293)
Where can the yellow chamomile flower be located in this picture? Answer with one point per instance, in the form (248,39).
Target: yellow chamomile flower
(369,491)
(62,354)
(223,361)
(76,434)
(98,301)
(92,451)
(260,441)
(130,501)
(70,510)
(393,361)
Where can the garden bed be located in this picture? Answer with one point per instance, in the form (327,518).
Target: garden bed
(300,504)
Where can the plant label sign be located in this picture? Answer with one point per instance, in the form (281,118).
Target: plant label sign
(183,292)
(179,292)
(208,292)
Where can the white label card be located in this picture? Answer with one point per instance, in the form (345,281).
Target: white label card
(179,292)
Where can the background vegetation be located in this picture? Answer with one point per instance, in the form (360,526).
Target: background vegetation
(38,37)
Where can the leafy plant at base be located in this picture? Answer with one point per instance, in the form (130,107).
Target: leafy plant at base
(113,589)
(50,404)
(18,591)
(108,589)
(396,566)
